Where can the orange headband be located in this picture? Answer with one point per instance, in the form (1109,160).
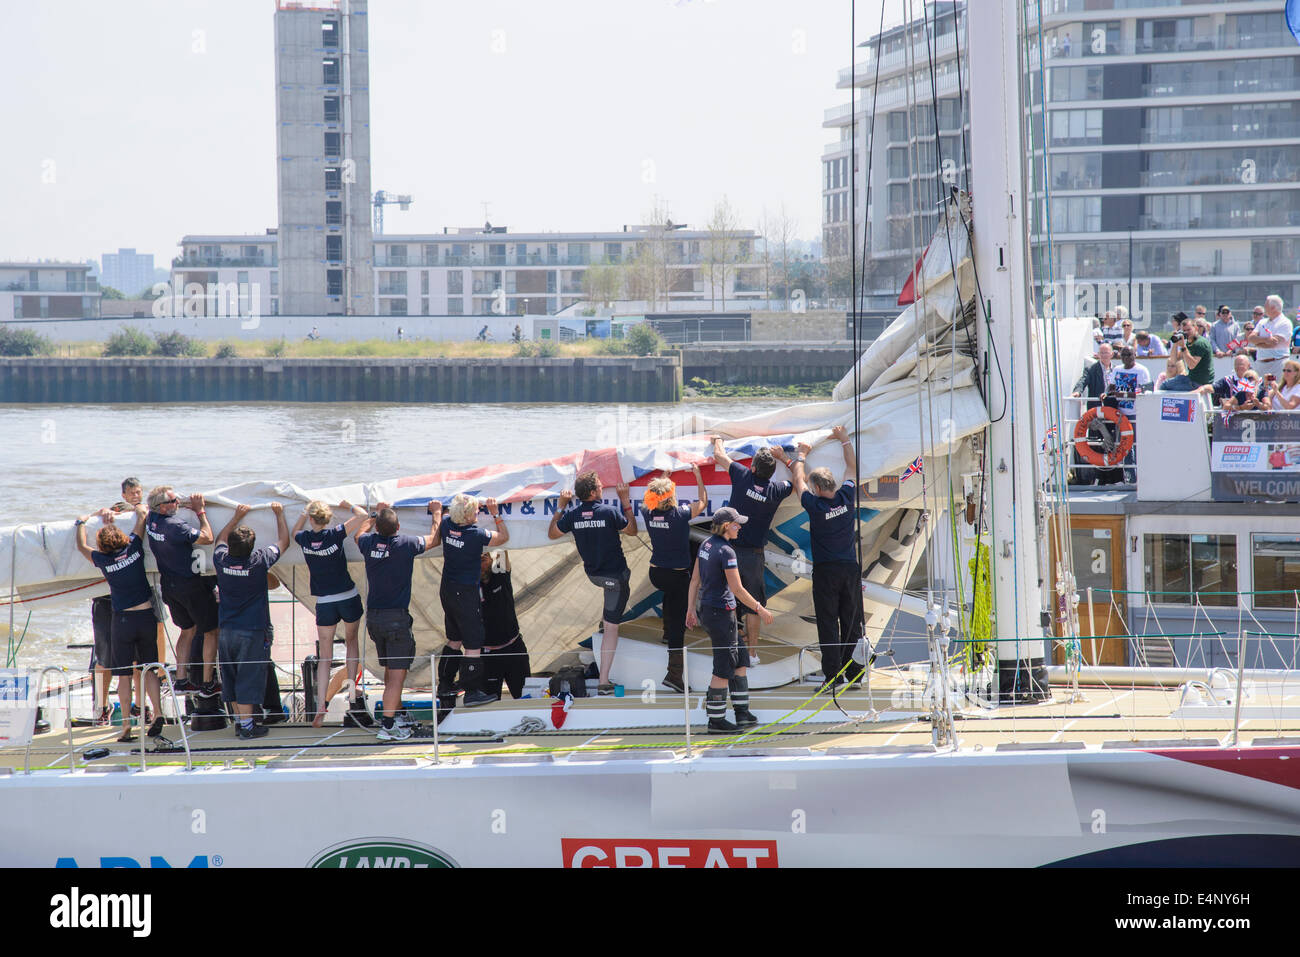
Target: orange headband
(653,501)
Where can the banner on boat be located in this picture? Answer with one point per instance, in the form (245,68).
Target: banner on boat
(17,708)
(1255,457)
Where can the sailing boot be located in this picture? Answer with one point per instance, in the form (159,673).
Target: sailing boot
(471,676)
(357,715)
(673,680)
(739,688)
(449,663)
(715,706)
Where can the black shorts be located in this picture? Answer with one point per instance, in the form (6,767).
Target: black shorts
(101,623)
(617,591)
(332,612)
(462,614)
(134,640)
(192,602)
(390,630)
(729,652)
(749,562)
(506,665)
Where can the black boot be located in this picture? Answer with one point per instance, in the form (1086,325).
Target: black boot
(357,715)
(471,676)
(673,679)
(449,663)
(740,702)
(446,704)
(715,706)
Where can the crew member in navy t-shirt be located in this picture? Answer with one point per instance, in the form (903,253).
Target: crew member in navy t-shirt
(246,614)
(756,496)
(837,577)
(462,542)
(595,527)
(190,596)
(337,599)
(669,527)
(716,584)
(133,638)
(390,562)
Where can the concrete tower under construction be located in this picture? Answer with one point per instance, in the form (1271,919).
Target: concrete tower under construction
(322,107)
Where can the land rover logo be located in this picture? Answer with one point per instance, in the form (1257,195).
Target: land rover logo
(381,852)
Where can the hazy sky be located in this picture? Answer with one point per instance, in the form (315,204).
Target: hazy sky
(134,122)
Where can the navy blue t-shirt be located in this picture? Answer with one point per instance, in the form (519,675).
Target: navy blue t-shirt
(670,537)
(241,583)
(757,501)
(389,563)
(326,561)
(172,543)
(716,556)
(462,550)
(124,572)
(595,527)
(830,524)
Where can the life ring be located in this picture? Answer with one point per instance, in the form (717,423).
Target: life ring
(1102,459)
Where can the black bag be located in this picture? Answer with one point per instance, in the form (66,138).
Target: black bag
(572,679)
(206,712)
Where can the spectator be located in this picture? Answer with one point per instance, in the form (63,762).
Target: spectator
(246,614)
(716,584)
(390,561)
(1239,346)
(669,528)
(337,599)
(462,542)
(505,656)
(1174,378)
(314,334)
(1194,350)
(1199,314)
(1097,376)
(757,497)
(1286,395)
(401,334)
(1131,379)
(1271,338)
(133,637)
(1127,339)
(595,527)
(1148,345)
(1224,333)
(189,596)
(1109,332)
(1236,391)
(837,576)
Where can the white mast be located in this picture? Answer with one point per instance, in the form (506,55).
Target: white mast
(1006,352)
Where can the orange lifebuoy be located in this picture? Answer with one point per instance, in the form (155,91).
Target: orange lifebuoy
(1103,459)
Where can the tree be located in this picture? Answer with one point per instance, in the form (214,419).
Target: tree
(647,273)
(779,236)
(602,283)
(108,292)
(721,250)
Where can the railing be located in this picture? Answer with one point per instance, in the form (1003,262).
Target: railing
(1266,218)
(1258,83)
(181,262)
(51,285)
(1209,133)
(1225,177)
(1202,44)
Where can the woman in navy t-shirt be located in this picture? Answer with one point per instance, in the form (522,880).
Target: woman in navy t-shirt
(134,636)
(462,544)
(336,597)
(669,527)
(716,583)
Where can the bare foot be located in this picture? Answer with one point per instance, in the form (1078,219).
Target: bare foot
(319,720)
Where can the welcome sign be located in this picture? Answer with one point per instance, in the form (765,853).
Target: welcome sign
(1255,457)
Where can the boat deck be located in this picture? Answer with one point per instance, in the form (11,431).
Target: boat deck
(793,717)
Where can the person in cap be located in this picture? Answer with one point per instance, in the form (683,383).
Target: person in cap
(716,585)
(837,574)
(669,527)
(1224,333)
(596,527)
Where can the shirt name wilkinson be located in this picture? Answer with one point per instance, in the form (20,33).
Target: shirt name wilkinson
(74,910)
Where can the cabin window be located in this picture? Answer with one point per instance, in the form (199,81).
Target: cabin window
(1177,566)
(1275,560)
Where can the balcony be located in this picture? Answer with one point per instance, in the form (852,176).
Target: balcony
(217,262)
(1221,132)
(1171,179)
(1261,83)
(50,285)
(1170,45)
(1268,219)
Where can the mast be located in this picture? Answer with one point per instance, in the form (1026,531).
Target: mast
(1006,352)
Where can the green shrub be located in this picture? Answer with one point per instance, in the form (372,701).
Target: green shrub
(225,351)
(611,347)
(525,349)
(278,349)
(548,349)
(644,340)
(177,345)
(128,342)
(23,342)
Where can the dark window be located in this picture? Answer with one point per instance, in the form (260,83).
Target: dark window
(334,282)
(329,34)
(333,177)
(333,213)
(330,72)
(333,144)
(332,112)
(334,248)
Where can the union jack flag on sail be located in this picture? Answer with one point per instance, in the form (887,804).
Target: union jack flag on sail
(916,468)
(1047,439)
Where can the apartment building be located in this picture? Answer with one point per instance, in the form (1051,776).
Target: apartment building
(47,290)
(127,271)
(228,275)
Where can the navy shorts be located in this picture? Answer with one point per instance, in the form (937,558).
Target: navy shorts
(332,612)
(729,653)
(462,614)
(101,623)
(245,656)
(390,630)
(617,591)
(192,602)
(134,639)
(749,562)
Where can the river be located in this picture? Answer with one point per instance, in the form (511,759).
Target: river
(65,460)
